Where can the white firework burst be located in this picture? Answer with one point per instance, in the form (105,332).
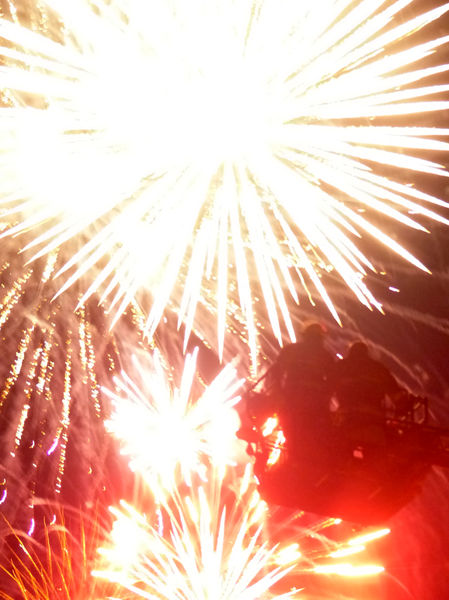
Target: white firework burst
(217,152)
(203,547)
(169,432)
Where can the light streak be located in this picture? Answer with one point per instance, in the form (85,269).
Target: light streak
(212,547)
(32,527)
(53,447)
(219,154)
(368,537)
(54,360)
(347,551)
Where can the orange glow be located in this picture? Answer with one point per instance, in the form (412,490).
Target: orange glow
(348,570)
(271,428)
(369,537)
(270,425)
(277,449)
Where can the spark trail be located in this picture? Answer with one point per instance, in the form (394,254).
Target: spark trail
(54,361)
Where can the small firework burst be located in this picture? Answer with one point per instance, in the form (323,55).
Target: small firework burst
(205,544)
(171,432)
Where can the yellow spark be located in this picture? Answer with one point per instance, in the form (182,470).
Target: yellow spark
(289,555)
(368,537)
(347,551)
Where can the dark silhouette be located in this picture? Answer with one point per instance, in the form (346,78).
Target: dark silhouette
(299,380)
(357,446)
(362,386)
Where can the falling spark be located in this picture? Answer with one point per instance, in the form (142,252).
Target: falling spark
(219,153)
(171,432)
(32,527)
(347,551)
(54,360)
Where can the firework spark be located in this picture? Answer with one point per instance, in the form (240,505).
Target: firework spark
(217,153)
(208,544)
(54,361)
(167,432)
(59,566)
(215,539)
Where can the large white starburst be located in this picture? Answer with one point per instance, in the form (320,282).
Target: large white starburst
(217,152)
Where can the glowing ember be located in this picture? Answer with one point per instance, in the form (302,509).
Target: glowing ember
(273,432)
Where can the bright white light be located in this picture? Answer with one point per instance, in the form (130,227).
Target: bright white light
(171,432)
(218,152)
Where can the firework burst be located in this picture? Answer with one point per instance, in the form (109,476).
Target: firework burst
(171,432)
(215,538)
(205,552)
(217,153)
(206,544)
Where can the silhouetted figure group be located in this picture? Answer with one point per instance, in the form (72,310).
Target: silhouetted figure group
(306,379)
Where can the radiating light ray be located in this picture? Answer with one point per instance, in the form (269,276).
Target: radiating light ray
(211,546)
(172,432)
(219,154)
(212,539)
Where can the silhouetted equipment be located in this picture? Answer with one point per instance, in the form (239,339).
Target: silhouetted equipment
(365,478)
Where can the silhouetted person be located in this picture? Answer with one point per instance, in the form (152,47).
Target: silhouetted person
(300,380)
(362,385)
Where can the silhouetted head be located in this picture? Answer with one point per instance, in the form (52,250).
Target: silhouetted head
(314,332)
(358,350)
